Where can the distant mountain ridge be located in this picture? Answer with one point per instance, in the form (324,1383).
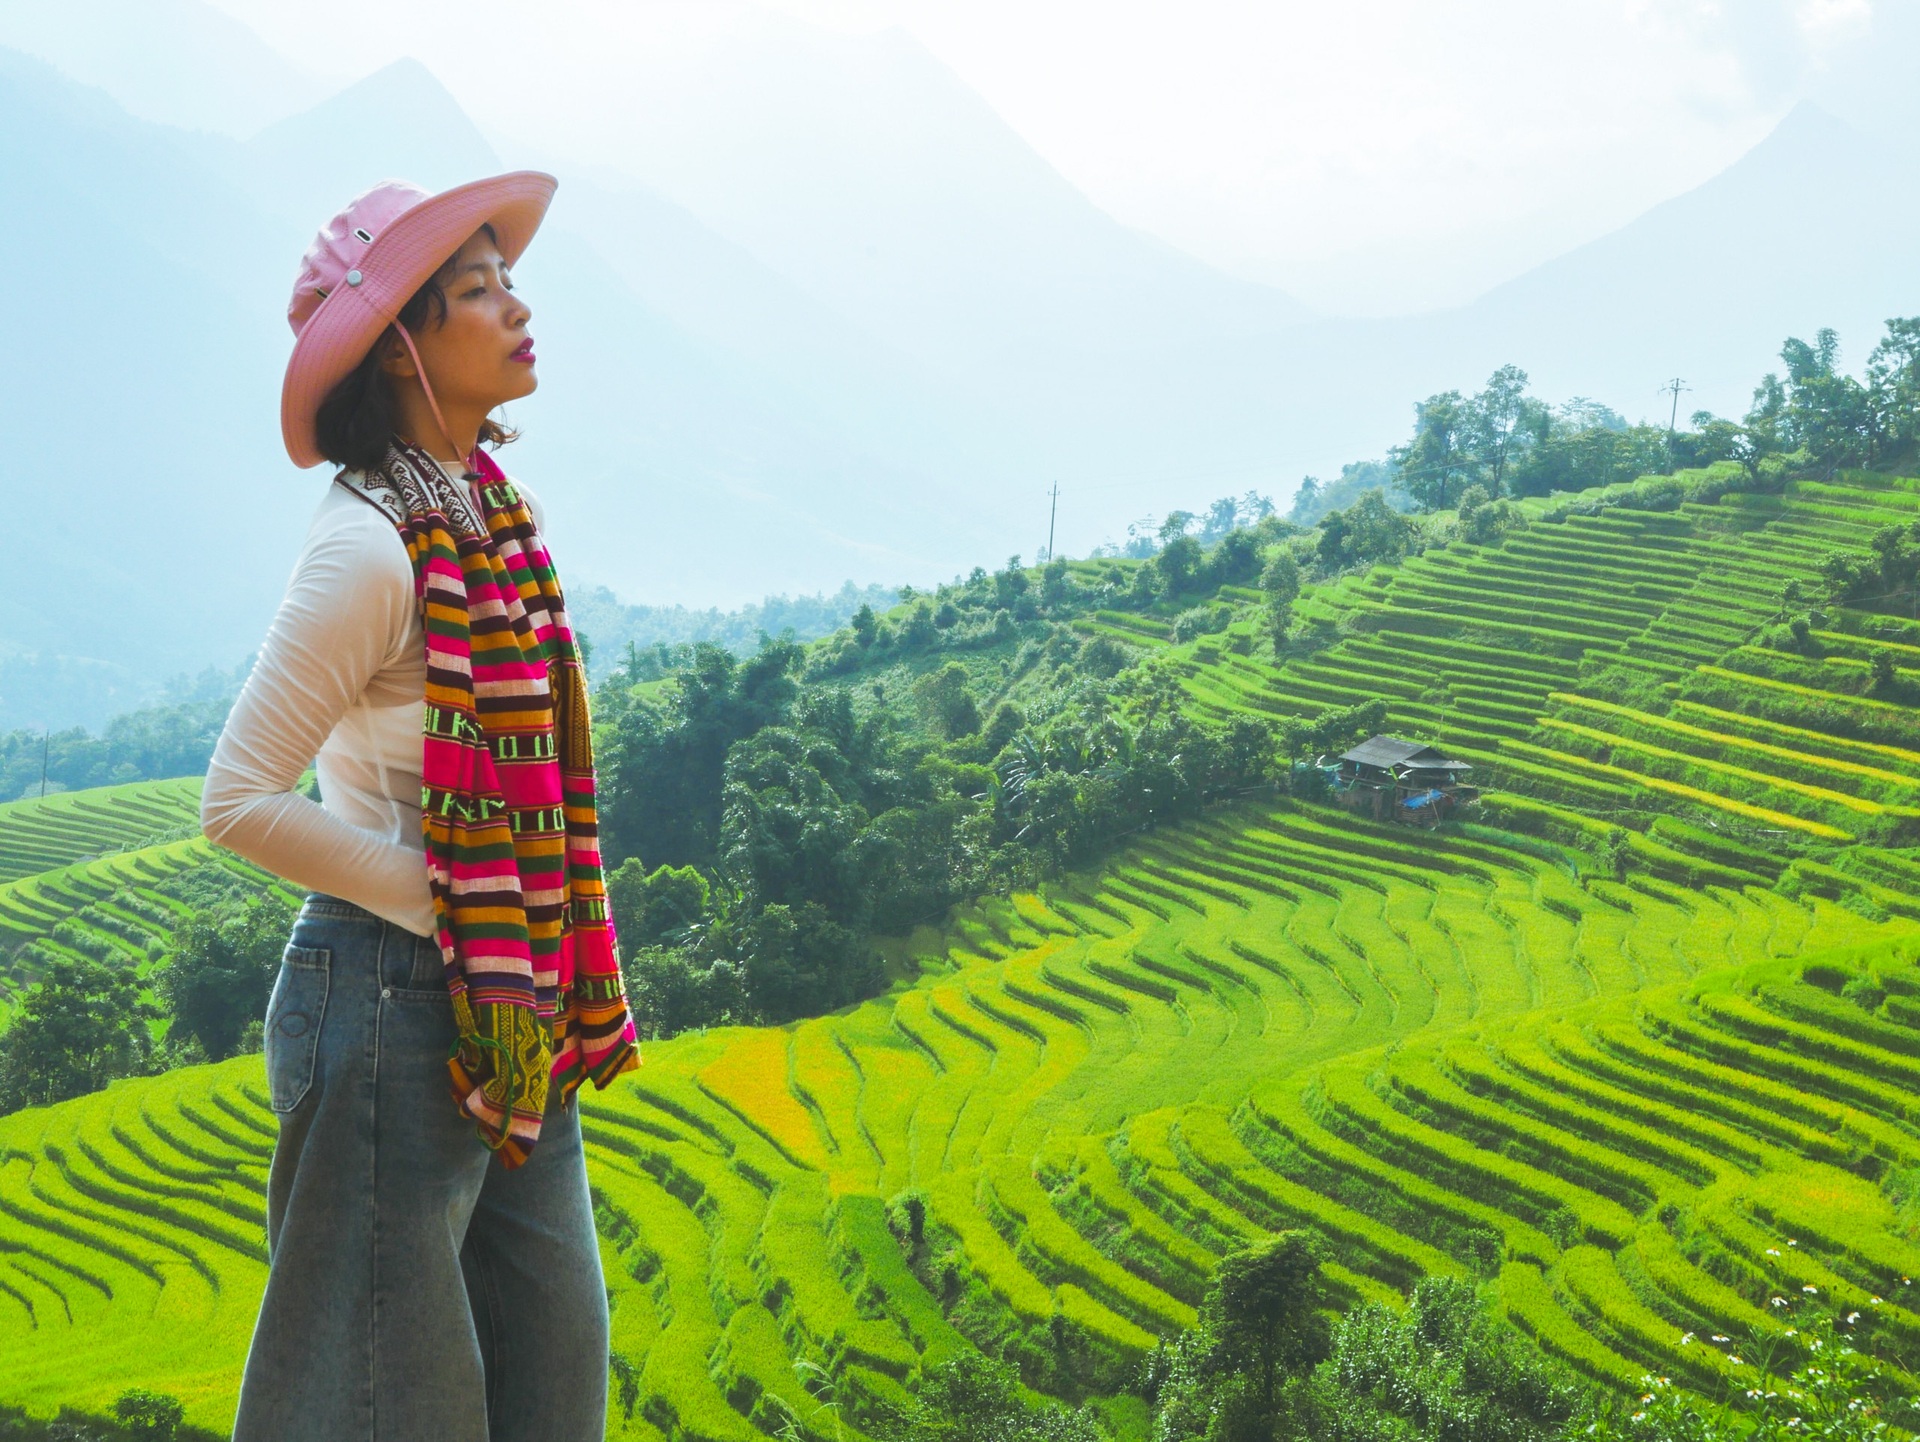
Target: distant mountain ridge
(849,351)
(1791,237)
(181,63)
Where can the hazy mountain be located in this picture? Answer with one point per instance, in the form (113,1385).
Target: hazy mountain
(398,123)
(178,62)
(707,426)
(861,167)
(863,171)
(140,390)
(1871,84)
(810,313)
(790,341)
(1811,228)
(656,276)
(152,285)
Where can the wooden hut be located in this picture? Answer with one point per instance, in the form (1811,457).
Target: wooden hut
(1390,779)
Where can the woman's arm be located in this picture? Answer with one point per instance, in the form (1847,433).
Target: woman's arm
(346,616)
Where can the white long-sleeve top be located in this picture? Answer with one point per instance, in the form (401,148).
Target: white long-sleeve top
(340,683)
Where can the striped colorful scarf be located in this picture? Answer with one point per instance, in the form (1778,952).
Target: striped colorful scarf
(507,805)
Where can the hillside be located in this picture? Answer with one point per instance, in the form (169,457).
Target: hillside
(1635,1047)
(1611,662)
(113,874)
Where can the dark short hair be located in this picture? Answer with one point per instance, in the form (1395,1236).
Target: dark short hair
(355,422)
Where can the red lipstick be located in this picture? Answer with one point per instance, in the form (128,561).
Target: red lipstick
(524,352)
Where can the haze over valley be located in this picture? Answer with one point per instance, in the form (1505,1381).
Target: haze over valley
(823,315)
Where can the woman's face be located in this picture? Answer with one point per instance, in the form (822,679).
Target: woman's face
(480,355)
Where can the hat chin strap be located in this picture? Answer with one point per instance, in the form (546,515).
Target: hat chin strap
(433,405)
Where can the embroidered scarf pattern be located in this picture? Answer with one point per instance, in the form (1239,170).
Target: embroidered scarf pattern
(507,803)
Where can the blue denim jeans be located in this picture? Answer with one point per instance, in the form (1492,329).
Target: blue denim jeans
(417,1290)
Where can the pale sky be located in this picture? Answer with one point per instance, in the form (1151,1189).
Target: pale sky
(1370,156)
(1330,141)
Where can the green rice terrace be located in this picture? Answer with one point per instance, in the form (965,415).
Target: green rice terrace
(42,834)
(111,873)
(1636,1044)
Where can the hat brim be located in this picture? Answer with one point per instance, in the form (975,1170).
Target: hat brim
(401,259)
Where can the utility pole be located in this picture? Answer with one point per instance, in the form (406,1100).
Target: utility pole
(1053,509)
(1676,386)
(46,742)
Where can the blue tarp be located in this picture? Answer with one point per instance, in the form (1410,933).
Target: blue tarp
(1425,798)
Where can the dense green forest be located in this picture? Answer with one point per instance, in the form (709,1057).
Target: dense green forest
(175,736)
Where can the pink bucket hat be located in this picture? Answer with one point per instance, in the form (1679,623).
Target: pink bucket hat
(366,264)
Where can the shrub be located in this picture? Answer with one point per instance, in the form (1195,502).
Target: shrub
(655,908)
(147,1414)
(974,1398)
(1103,657)
(946,702)
(1201,621)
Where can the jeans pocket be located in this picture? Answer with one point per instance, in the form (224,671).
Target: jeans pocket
(294,1013)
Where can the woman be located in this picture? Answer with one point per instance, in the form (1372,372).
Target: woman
(433,1266)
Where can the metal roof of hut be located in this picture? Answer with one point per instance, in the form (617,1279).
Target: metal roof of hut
(1388,752)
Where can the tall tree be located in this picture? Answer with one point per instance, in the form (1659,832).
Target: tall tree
(1369,530)
(946,701)
(1264,1309)
(222,973)
(1826,411)
(1179,564)
(661,763)
(80,1028)
(1893,372)
(1438,463)
(1499,423)
(1280,582)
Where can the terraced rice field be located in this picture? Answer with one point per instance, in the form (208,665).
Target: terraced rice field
(1640,1105)
(41,834)
(124,905)
(1448,1054)
(1515,657)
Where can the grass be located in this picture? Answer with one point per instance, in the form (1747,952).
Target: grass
(1637,1103)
